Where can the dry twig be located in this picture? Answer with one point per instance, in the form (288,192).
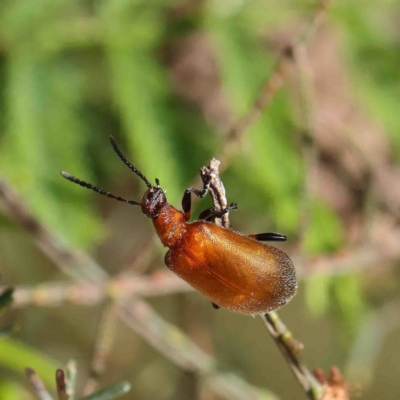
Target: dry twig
(38,385)
(289,346)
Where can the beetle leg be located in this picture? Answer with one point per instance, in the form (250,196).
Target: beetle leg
(187,198)
(216,306)
(268,237)
(210,213)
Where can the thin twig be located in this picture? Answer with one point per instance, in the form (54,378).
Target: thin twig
(291,349)
(38,385)
(289,346)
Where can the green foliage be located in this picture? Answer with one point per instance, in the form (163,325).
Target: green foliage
(341,295)
(324,231)
(350,302)
(13,390)
(16,356)
(317,294)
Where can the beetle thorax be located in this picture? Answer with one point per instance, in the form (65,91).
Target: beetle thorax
(170,225)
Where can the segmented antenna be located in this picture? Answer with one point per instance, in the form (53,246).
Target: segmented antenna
(126,162)
(71,178)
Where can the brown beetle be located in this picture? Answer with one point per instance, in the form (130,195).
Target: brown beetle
(232,270)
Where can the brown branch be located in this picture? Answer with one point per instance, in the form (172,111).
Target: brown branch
(291,349)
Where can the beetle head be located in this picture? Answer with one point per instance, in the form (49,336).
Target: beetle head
(153,200)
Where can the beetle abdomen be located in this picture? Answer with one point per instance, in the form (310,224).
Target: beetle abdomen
(232,270)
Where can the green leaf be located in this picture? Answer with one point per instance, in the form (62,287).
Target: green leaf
(13,390)
(317,294)
(324,232)
(349,299)
(111,392)
(17,356)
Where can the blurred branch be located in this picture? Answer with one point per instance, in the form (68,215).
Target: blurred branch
(54,294)
(282,70)
(67,260)
(138,315)
(102,348)
(159,283)
(38,385)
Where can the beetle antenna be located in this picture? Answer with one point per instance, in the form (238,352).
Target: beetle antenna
(127,163)
(71,178)
(157,182)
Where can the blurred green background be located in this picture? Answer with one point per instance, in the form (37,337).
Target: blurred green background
(168,79)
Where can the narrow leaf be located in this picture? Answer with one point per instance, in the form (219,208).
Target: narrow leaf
(71,372)
(111,392)
(16,355)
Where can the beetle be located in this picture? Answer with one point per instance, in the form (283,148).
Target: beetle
(235,271)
